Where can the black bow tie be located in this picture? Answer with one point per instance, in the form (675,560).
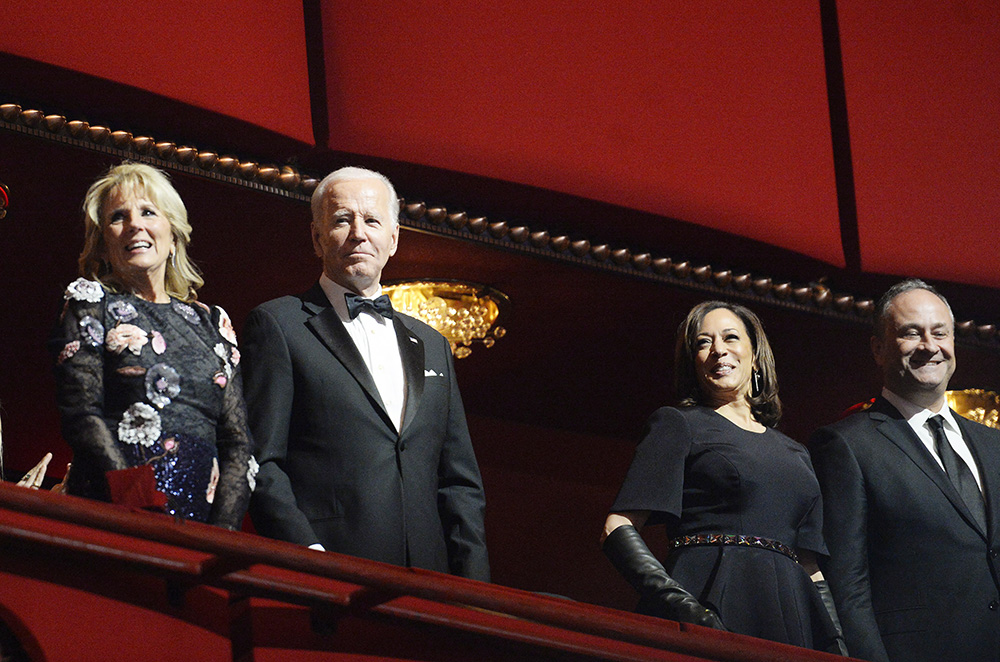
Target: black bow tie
(356,303)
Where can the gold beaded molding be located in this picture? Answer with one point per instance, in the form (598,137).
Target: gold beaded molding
(283,180)
(287,181)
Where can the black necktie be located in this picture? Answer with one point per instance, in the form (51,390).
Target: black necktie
(356,303)
(958,471)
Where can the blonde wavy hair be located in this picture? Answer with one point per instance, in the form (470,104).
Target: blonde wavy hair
(183,278)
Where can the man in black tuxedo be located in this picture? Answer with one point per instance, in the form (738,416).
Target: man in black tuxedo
(358,423)
(911,495)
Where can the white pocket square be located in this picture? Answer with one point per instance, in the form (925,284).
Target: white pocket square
(431,373)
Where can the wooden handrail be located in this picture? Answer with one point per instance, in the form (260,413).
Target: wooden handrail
(250,565)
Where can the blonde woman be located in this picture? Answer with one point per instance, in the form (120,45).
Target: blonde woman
(148,379)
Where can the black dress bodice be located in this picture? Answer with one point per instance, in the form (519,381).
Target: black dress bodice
(697,472)
(156,384)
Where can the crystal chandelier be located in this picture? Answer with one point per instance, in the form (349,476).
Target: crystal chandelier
(977,405)
(464,313)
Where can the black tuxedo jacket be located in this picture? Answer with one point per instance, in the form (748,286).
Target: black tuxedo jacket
(333,467)
(914,577)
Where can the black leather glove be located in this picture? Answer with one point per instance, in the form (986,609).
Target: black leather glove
(839,645)
(667,599)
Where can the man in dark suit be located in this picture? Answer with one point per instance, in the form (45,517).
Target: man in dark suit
(911,495)
(358,423)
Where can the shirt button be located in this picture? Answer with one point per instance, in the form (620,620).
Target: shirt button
(994,605)
(994,553)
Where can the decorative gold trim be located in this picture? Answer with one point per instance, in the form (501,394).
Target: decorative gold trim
(282,180)
(815,298)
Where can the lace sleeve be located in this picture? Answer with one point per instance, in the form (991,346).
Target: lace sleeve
(78,345)
(233,441)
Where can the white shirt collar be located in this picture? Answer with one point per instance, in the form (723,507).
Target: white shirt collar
(916,415)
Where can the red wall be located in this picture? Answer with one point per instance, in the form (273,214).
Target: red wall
(713,113)
(241,59)
(923,90)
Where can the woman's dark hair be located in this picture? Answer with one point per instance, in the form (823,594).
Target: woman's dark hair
(764,403)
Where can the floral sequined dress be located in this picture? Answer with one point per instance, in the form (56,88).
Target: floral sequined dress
(156,384)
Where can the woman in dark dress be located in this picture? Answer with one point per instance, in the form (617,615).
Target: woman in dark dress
(148,383)
(739,500)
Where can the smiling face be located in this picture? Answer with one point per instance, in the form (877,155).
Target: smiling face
(723,357)
(138,240)
(357,235)
(916,348)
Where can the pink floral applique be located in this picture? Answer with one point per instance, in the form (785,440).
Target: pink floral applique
(235,357)
(159,345)
(69,350)
(126,336)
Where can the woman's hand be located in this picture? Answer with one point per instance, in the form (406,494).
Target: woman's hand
(33,479)
(60,488)
(661,595)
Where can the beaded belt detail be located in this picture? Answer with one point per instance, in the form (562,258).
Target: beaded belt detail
(733,539)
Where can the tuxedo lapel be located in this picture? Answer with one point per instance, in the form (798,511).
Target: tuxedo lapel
(986,452)
(890,423)
(326,324)
(411,351)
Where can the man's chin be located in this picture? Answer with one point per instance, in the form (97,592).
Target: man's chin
(361,279)
(929,384)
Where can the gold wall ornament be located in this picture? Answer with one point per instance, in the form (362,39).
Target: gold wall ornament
(462,312)
(976,405)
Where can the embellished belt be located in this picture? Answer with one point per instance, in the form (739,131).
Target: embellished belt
(733,539)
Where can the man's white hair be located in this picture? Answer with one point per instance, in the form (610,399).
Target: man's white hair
(351,174)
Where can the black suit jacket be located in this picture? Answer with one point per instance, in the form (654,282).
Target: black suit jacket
(914,577)
(333,467)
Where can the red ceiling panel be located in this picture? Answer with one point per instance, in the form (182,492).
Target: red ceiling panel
(924,108)
(713,113)
(244,60)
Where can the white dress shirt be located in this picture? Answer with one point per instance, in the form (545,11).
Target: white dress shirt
(917,417)
(375,338)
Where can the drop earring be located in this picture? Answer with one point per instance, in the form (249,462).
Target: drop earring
(755,390)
